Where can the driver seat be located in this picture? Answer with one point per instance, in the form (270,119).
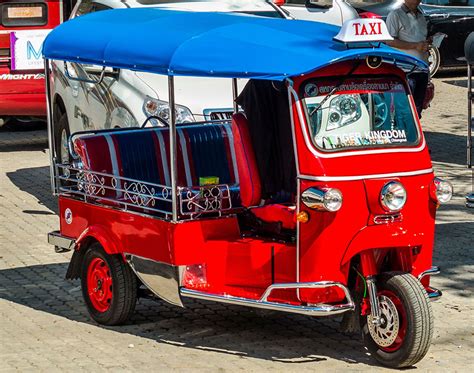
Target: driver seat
(250,182)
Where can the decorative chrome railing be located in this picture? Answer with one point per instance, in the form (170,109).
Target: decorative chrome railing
(141,196)
(195,201)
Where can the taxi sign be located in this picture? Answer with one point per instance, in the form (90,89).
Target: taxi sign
(363,30)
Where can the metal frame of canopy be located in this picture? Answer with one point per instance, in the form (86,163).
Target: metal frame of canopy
(384,53)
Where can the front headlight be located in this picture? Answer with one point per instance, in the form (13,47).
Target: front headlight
(343,110)
(441,190)
(159,108)
(329,199)
(393,196)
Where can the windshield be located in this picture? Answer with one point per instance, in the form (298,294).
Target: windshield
(358,113)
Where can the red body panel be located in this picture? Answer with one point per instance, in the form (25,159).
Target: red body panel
(22,93)
(235,265)
(326,244)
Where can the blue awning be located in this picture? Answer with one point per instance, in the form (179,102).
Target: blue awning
(204,44)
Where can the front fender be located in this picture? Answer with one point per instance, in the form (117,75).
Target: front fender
(379,237)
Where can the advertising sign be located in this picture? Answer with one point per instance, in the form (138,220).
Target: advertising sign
(26,49)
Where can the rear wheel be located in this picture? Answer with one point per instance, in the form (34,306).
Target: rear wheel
(406,329)
(109,287)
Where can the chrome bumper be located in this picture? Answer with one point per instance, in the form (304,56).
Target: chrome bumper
(311,310)
(470,200)
(433,293)
(61,243)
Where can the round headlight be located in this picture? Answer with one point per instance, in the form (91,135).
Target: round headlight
(332,199)
(441,190)
(325,199)
(393,196)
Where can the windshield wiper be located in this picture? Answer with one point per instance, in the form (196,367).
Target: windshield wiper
(336,87)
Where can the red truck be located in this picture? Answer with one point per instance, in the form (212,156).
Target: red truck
(23,26)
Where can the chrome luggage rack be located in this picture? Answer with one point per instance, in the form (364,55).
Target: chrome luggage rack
(140,196)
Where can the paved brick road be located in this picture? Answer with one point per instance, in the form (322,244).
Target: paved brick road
(44,325)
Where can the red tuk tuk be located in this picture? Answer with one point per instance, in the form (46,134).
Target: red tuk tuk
(317,198)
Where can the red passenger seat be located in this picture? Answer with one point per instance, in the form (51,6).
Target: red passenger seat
(139,160)
(249,178)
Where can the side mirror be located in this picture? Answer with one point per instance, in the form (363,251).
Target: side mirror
(319,3)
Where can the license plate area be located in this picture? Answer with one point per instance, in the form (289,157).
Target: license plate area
(26,49)
(23,14)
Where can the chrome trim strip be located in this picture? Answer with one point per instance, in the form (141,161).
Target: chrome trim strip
(348,153)
(52,150)
(61,242)
(362,177)
(162,279)
(470,200)
(312,310)
(173,149)
(298,186)
(429,272)
(435,294)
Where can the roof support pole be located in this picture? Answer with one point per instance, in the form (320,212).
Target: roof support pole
(173,155)
(235,93)
(51,141)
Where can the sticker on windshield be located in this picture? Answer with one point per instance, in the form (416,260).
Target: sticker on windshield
(311,90)
(352,86)
(383,137)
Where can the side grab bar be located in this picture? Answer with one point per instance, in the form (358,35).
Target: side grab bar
(312,310)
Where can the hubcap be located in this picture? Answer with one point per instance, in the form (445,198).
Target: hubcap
(64,147)
(386,332)
(99,284)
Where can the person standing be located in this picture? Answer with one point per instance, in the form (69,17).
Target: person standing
(408,27)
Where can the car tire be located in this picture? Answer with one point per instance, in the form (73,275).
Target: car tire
(61,138)
(434,60)
(109,286)
(405,334)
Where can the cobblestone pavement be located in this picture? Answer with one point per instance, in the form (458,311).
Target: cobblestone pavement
(44,325)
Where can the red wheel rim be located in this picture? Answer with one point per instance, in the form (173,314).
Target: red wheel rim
(99,284)
(402,315)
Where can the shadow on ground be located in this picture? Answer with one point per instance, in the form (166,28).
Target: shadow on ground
(23,136)
(441,152)
(206,326)
(35,181)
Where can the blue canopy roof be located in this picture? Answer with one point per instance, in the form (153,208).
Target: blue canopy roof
(204,44)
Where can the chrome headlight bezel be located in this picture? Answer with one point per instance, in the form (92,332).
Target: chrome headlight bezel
(393,196)
(441,190)
(322,199)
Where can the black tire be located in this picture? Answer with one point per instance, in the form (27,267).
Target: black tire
(434,60)
(415,321)
(122,288)
(61,133)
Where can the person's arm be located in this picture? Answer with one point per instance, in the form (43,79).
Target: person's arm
(421,46)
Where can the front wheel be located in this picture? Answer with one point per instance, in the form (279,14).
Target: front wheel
(404,335)
(109,286)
